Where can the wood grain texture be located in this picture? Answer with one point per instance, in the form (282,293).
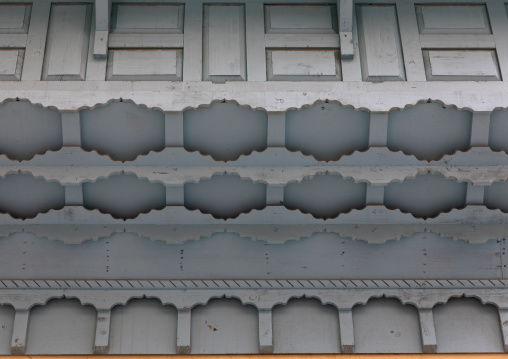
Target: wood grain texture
(307,19)
(145,65)
(140,18)
(303,65)
(11,62)
(453,19)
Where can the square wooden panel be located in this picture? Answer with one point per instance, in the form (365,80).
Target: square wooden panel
(14,19)
(145,65)
(152,18)
(453,19)
(298,65)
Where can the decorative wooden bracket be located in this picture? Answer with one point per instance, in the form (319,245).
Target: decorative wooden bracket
(102,20)
(345,8)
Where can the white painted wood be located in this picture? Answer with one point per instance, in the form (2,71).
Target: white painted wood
(378,132)
(427,330)
(11,63)
(102,326)
(13,40)
(224,43)
(457,41)
(102,16)
(96,66)
(183,335)
(449,19)
(20,331)
(301,41)
(145,65)
(71,129)
(480,65)
(410,41)
(503,321)
(274,195)
(499,22)
(14,19)
(150,18)
(67,44)
(380,47)
(265,331)
(303,65)
(276,135)
(480,128)
(36,42)
(254,25)
(152,41)
(306,19)
(346,28)
(347,336)
(100,43)
(193,41)
(352,67)
(173,124)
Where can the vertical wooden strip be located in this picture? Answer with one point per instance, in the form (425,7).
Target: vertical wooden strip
(428,331)
(276,129)
(347,335)
(345,9)
(410,41)
(175,195)
(375,195)
(193,42)
(499,24)
(19,331)
(74,195)
(480,128)
(173,123)
(378,132)
(96,66)
(352,67)
(255,41)
(474,194)
(503,319)
(265,331)
(102,331)
(71,129)
(274,195)
(183,336)
(36,42)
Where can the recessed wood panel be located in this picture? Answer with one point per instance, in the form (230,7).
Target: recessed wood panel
(380,49)
(67,42)
(318,19)
(134,18)
(463,19)
(224,43)
(11,63)
(143,65)
(465,65)
(293,65)
(14,19)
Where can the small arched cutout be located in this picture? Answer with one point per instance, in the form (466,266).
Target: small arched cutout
(304,325)
(429,130)
(62,326)
(465,325)
(27,130)
(225,131)
(426,196)
(224,326)
(225,196)
(386,326)
(24,196)
(124,196)
(143,326)
(325,195)
(122,130)
(327,131)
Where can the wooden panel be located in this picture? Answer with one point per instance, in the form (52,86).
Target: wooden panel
(14,19)
(303,65)
(300,19)
(457,41)
(128,18)
(152,41)
(67,44)
(480,65)
(13,40)
(380,47)
(224,43)
(145,65)
(464,19)
(11,62)
(302,40)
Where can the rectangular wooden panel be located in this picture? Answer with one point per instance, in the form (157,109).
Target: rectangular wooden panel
(13,40)
(449,19)
(380,47)
(224,43)
(11,62)
(300,65)
(153,41)
(14,19)
(317,19)
(67,43)
(466,65)
(457,41)
(302,41)
(134,18)
(144,65)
